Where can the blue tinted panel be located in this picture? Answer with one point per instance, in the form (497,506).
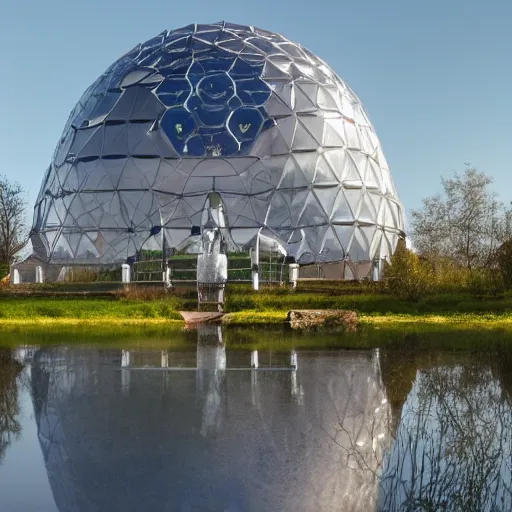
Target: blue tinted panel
(242,69)
(178,124)
(245,123)
(213,115)
(195,146)
(216,89)
(174,91)
(224,144)
(253,91)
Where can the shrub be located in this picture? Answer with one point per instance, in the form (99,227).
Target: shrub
(504,263)
(484,282)
(408,277)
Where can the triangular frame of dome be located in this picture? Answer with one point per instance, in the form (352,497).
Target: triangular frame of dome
(361,162)
(315,235)
(366,142)
(279,212)
(148,167)
(368,212)
(333,130)
(307,161)
(113,168)
(278,146)
(314,124)
(94,145)
(330,244)
(86,245)
(51,236)
(344,235)
(312,213)
(326,197)
(81,139)
(277,68)
(327,99)
(351,136)
(287,127)
(276,107)
(350,171)
(260,206)
(354,200)
(342,213)
(303,139)
(324,175)
(257,181)
(52,219)
(304,101)
(73,240)
(139,144)
(124,106)
(372,176)
(132,177)
(335,159)
(97,178)
(292,176)
(358,246)
(147,107)
(115,141)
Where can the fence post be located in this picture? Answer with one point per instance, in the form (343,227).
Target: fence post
(293,359)
(39,274)
(377,269)
(16,276)
(293,274)
(125,273)
(255,265)
(254,359)
(167,277)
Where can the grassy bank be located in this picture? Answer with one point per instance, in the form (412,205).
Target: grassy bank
(267,330)
(457,321)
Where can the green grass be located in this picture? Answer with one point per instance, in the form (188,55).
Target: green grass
(241,298)
(90,309)
(257,319)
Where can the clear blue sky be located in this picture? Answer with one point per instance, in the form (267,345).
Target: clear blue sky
(435,76)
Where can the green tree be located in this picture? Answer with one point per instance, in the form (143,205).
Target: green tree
(10,427)
(13,232)
(466,222)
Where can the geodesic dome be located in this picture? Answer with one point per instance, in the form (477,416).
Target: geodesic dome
(237,111)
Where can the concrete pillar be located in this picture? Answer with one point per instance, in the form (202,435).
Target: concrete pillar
(167,277)
(125,358)
(255,265)
(293,274)
(378,268)
(39,274)
(293,359)
(125,273)
(125,371)
(16,276)
(254,359)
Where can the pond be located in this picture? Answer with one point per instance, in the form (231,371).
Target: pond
(205,427)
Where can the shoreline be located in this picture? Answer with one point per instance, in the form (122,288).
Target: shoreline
(269,329)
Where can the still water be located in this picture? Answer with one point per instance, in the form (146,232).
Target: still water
(84,428)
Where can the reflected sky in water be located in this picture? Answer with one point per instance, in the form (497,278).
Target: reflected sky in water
(88,428)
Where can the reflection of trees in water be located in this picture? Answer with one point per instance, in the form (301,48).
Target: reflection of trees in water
(454,444)
(10,427)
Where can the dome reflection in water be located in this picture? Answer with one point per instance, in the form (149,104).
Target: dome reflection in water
(118,432)
(210,428)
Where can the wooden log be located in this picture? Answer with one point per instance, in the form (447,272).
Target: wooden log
(323,318)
